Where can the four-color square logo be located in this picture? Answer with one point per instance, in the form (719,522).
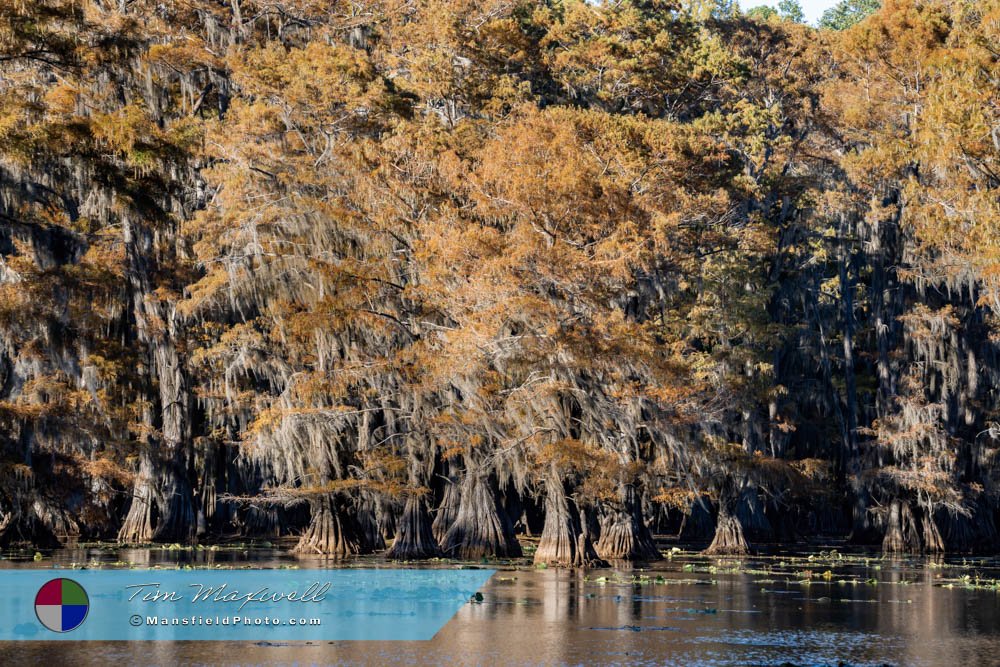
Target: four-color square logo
(61,605)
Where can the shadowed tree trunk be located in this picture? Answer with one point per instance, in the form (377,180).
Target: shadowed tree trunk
(624,535)
(19,521)
(481,527)
(387,513)
(261,522)
(329,532)
(970,533)
(414,537)
(698,524)
(176,509)
(901,533)
(369,532)
(863,529)
(565,539)
(206,494)
(752,518)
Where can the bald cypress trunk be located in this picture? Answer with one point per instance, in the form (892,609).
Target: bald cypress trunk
(167,466)
(414,537)
(729,539)
(177,510)
(387,514)
(624,535)
(566,540)
(698,524)
(481,527)
(137,528)
(370,534)
(446,512)
(933,543)
(901,533)
(261,522)
(330,531)
(976,532)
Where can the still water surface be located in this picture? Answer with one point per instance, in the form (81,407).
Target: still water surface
(689,610)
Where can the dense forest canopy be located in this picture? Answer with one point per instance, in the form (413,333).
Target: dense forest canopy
(435,274)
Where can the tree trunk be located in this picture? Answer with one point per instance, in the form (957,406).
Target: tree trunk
(481,528)
(261,522)
(157,327)
(206,495)
(447,511)
(624,536)
(847,301)
(387,513)
(751,516)
(414,537)
(863,529)
(565,538)
(176,508)
(137,528)
(971,533)
(729,539)
(698,524)
(177,520)
(901,534)
(370,534)
(329,532)
(932,541)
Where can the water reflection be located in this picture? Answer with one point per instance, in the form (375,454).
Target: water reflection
(688,611)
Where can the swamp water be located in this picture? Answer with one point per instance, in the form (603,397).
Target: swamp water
(822,609)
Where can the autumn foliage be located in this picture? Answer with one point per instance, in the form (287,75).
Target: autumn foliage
(435,275)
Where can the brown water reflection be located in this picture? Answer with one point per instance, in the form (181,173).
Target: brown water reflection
(688,611)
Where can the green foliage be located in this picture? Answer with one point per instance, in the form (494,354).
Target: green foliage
(762,12)
(847,13)
(791,10)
